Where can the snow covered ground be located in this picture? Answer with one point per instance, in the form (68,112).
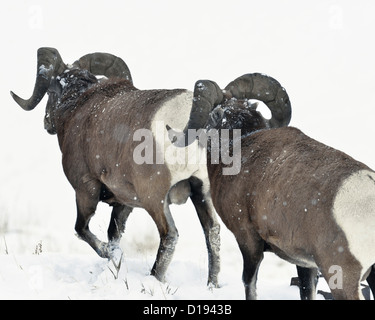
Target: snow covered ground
(42,273)
(321,51)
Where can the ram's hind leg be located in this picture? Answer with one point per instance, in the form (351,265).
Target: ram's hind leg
(252,248)
(252,257)
(211,228)
(344,278)
(168,239)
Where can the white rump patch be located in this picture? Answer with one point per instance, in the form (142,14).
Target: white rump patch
(354,212)
(182,162)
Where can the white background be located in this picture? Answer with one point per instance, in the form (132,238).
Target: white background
(321,51)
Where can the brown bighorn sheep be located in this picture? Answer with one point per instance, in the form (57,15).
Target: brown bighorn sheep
(312,205)
(95,122)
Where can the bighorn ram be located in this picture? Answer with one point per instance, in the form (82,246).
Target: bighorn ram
(312,205)
(95,122)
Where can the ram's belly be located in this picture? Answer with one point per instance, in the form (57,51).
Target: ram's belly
(182,162)
(354,212)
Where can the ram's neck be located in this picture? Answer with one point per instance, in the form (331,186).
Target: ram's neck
(75,103)
(67,106)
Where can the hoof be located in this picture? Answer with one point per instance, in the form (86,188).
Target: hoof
(213,285)
(158,276)
(110,251)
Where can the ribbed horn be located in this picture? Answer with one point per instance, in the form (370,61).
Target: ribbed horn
(105,64)
(207,94)
(266,89)
(49,65)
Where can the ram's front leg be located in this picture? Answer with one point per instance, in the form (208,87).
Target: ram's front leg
(86,206)
(119,216)
(308,279)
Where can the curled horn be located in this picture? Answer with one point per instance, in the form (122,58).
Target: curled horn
(49,65)
(266,89)
(207,94)
(105,64)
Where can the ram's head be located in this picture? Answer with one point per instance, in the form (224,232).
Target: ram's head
(51,77)
(231,108)
(236,114)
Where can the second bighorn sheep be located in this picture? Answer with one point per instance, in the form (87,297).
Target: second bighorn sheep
(312,205)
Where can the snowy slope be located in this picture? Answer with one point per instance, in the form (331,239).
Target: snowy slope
(36,271)
(321,51)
